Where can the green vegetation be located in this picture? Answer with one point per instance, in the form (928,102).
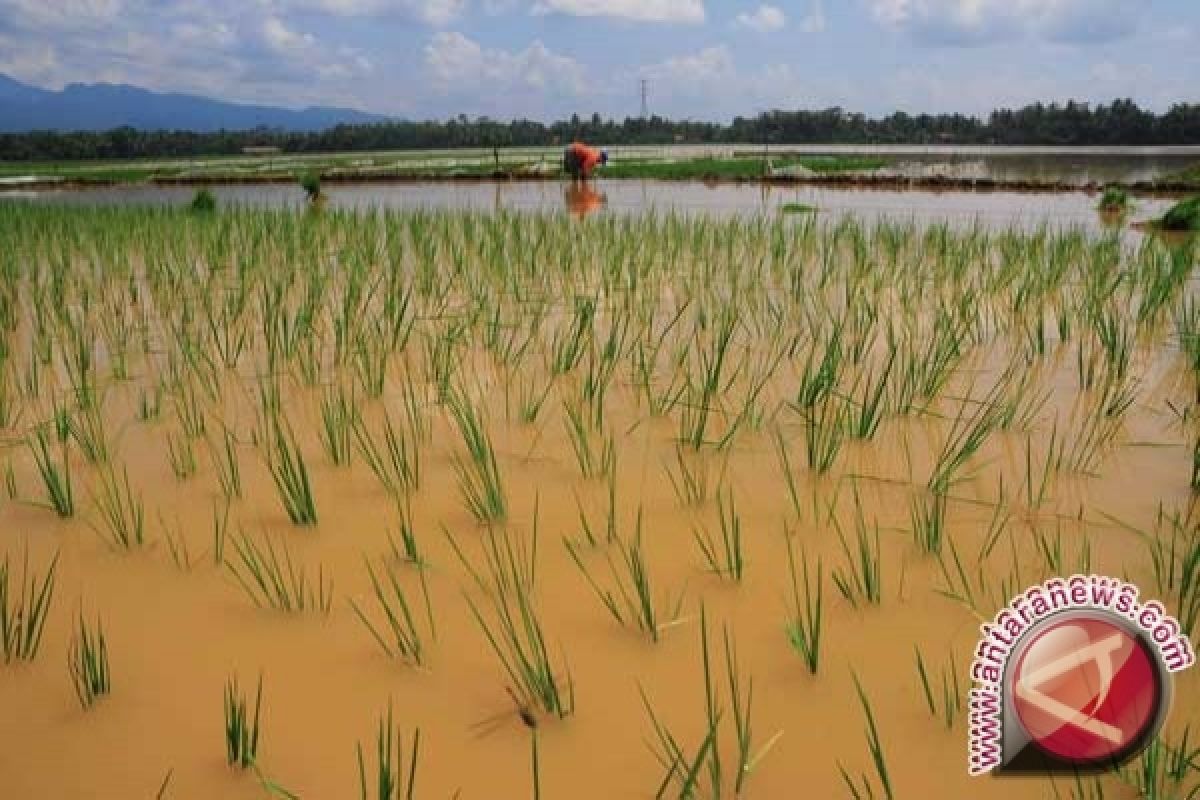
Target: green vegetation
(1121,122)
(1191,175)
(310,182)
(805,619)
(942,402)
(272,582)
(203,202)
(1183,216)
(392,782)
(24,606)
(797,208)
(400,637)
(1114,199)
(87,660)
(862,789)
(241,728)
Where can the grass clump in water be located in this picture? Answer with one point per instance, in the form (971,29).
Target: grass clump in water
(1115,199)
(24,606)
(1183,216)
(203,202)
(87,660)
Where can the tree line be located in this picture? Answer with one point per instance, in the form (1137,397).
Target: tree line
(1120,123)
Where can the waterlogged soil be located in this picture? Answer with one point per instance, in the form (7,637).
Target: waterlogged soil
(176,634)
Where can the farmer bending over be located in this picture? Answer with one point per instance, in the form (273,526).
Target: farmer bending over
(579,160)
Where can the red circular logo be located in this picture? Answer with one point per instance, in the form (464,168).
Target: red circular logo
(1086,690)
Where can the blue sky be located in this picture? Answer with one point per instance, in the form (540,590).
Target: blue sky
(545,59)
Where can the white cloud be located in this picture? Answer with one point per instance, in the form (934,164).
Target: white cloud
(693,73)
(966,22)
(59,14)
(765,19)
(456,62)
(282,39)
(433,12)
(814,20)
(691,11)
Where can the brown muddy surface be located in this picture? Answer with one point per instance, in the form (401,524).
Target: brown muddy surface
(494,300)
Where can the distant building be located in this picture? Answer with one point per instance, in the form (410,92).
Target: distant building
(260,151)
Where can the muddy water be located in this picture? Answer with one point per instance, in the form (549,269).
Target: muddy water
(176,635)
(990,209)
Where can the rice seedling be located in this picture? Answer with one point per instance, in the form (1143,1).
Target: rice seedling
(683,769)
(610,518)
(24,607)
(407,550)
(592,461)
(1165,771)
(928,515)
(694,479)
(862,788)
(400,639)
(188,411)
(631,601)
(535,763)
(87,429)
(950,706)
(182,456)
(56,476)
(531,400)
(87,662)
(479,478)
(392,781)
(725,558)
(290,474)
(177,546)
(861,578)
(229,470)
(1176,564)
(396,463)
(513,629)
(824,432)
(220,529)
(338,414)
(805,623)
(242,729)
(569,345)
(274,582)
(122,513)
(868,406)
(818,378)
(149,404)
(966,436)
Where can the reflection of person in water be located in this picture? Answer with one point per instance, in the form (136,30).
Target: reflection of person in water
(582,199)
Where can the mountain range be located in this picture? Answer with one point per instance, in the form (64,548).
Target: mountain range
(103,106)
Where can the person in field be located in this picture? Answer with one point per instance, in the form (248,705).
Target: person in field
(579,160)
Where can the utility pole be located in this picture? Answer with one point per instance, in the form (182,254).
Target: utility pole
(645,103)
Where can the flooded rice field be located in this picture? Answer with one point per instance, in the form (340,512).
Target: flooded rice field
(686,505)
(995,210)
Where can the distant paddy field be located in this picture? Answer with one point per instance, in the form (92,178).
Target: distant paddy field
(1148,169)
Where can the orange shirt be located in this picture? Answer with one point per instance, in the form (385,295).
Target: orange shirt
(588,157)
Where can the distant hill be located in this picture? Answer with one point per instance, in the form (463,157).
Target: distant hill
(103,106)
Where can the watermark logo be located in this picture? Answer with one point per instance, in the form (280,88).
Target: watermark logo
(1073,674)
